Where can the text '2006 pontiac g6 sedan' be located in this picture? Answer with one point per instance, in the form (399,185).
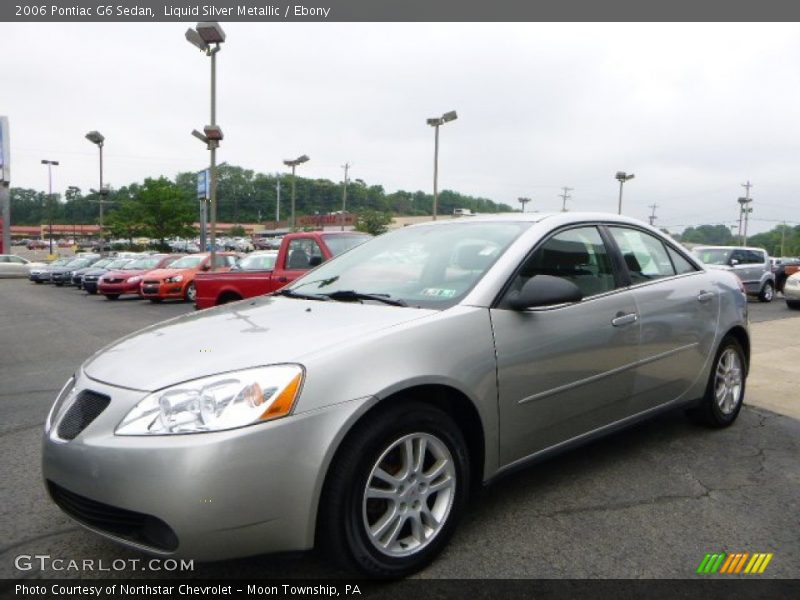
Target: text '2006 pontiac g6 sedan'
(356,408)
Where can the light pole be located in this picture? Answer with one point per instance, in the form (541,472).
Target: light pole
(50,164)
(622,177)
(346,167)
(435,122)
(523,202)
(207,37)
(97,138)
(293,163)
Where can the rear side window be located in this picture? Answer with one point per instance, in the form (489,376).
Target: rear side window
(644,254)
(578,255)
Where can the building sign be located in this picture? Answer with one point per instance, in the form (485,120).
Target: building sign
(5,153)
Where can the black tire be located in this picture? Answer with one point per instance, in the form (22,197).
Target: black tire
(793,304)
(112,296)
(92,291)
(343,510)
(37,282)
(767,293)
(59,284)
(155,300)
(709,412)
(190,294)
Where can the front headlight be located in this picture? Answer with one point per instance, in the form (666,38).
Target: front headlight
(135,279)
(175,279)
(216,403)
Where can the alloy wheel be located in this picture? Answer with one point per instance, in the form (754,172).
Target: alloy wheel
(409,494)
(728,381)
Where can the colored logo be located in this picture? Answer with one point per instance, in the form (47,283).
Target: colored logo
(734,563)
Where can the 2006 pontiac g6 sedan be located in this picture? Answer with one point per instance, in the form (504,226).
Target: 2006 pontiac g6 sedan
(356,408)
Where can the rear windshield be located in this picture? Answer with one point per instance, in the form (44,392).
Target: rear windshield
(187,262)
(342,243)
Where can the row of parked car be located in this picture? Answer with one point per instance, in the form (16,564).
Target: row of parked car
(761,275)
(189,277)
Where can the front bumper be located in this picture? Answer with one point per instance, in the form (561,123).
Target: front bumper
(791,290)
(118,288)
(222,495)
(39,276)
(162,289)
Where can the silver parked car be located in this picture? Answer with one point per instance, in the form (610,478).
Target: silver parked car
(12,265)
(751,265)
(356,408)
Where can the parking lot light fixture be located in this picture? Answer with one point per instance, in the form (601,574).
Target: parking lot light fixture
(207,37)
(622,177)
(50,164)
(436,122)
(293,163)
(98,140)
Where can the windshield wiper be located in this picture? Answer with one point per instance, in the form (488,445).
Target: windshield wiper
(293,294)
(345,295)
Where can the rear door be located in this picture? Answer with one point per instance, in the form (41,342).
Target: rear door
(565,370)
(678,308)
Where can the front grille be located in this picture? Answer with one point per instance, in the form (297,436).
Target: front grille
(90,278)
(85,409)
(114,280)
(127,524)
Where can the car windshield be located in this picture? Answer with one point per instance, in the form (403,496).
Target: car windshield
(713,256)
(338,244)
(102,263)
(118,263)
(425,266)
(79,263)
(187,262)
(142,263)
(60,262)
(258,262)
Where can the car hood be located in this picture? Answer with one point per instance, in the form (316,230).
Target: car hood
(260,331)
(164,273)
(99,271)
(122,274)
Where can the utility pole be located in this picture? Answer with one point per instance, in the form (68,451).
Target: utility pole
(523,202)
(653,215)
(744,212)
(783,237)
(564,197)
(346,167)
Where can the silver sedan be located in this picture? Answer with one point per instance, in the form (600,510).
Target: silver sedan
(356,408)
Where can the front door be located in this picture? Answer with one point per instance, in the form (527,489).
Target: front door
(565,371)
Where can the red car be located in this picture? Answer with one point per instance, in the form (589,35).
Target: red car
(177,280)
(298,253)
(128,279)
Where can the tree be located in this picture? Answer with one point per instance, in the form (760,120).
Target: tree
(718,235)
(373,221)
(166,210)
(237,231)
(127,221)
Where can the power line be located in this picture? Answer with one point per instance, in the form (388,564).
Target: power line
(652,217)
(564,197)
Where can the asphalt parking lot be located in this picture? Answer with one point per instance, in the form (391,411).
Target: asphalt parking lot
(648,502)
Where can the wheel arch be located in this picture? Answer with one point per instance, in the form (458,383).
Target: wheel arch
(444,397)
(740,334)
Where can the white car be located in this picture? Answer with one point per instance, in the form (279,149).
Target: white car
(12,265)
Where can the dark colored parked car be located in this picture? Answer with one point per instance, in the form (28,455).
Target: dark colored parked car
(63,275)
(77,274)
(90,277)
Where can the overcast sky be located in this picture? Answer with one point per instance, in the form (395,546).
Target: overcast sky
(692,110)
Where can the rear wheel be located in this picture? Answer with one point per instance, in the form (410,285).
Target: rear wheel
(725,390)
(395,491)
(767,292)
(190,295)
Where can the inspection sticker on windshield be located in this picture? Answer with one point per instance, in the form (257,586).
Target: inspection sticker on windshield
(439,292)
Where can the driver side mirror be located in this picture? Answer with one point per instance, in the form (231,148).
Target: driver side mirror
(206,267)
(733,262)
(544,290)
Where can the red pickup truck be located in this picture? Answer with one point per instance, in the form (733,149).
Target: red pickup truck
(265,272)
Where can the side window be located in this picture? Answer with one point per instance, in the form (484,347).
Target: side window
(577,255)
(739,256)
(755,257)
(300,252)
(644,254)
(220,261)
(681,265)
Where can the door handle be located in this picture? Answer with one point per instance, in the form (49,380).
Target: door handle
(621,319)
(705,296)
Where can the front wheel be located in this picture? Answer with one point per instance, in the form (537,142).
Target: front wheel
(795,304)
(767,292)
(725,390)
(112,296)
(395,492)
